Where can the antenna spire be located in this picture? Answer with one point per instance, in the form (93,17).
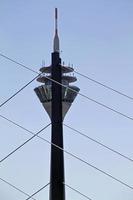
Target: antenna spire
(56,20)
(56,38)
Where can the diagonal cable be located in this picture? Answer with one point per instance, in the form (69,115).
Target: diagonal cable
(90,165)
(92,100)
(77,191)
(37,191)
(103,85)
(18,63)
(99,143)
(85,162)
(12,152)
(18,125)
(22,88)
(16,188)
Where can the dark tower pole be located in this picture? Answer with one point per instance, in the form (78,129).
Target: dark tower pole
(57,188)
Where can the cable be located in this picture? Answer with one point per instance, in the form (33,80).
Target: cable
(83,161)
(14,123)
(29,196)
(97,102)
(77,191)
(22,88)
(12,152)
(90,99)
(16,188)
(25,129)
(90,165)
(97,142)
(18,63)
(37,191)
(105,86)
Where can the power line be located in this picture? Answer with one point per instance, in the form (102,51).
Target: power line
(22,88)
(37,191)
(99,143)
(103,85)
(85,96)
(75,190)
(12,152)
(16,188)
(83,161)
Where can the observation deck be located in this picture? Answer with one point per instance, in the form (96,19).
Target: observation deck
(69,92)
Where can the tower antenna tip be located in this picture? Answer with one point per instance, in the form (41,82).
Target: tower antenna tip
(56,38)
(56,13)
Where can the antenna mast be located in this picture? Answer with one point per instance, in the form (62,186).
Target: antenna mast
(56,47)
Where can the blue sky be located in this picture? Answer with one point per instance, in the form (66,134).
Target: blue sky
(97,38)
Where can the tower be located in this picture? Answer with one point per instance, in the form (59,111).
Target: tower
(56,95)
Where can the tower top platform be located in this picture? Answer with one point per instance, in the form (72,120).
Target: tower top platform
(65,69)
(68,79)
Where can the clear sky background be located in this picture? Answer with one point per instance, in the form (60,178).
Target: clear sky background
(96,36)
